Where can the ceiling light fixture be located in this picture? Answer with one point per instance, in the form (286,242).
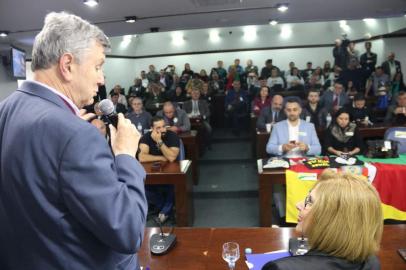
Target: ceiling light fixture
(273,22)
(130,19)
(4,33)
(91,3)
(282,7)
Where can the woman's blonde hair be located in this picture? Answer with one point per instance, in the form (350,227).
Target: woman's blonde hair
(346,218)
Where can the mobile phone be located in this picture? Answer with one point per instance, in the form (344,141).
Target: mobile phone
(402,253)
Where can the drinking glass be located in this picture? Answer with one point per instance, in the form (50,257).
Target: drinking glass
(231,253)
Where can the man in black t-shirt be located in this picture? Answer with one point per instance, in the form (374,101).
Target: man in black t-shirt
(159,145)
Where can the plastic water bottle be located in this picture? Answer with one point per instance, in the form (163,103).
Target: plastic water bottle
(328,119)
(139,127)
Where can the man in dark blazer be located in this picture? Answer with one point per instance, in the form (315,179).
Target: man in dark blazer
(333,100)
(199,108)
(391,66)
(118,107)
(65,201)
(271,114)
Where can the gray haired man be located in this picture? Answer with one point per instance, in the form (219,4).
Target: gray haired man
(65,201)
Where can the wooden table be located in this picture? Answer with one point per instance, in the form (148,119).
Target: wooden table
(266,180)
(262,137)
(191,142)
(200,248)
(178,174)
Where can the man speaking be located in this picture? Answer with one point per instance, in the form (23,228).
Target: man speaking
(65,201)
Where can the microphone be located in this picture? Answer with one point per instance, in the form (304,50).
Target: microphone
(106,107)
(161,243)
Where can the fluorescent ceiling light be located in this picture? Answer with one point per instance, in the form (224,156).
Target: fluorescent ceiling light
(91,3)
(250,33)
(130,19)
(214,36)
(273,22)
(177,39)
(282,7)
(3,33)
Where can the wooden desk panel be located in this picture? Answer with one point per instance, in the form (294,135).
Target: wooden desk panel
(200,248)
(179,175)
(191,142)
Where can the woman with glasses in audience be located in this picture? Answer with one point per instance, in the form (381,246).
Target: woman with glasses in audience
(342,137)
(342,219)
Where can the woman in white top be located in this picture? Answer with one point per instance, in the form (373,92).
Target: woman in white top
(275,79)
(293,79)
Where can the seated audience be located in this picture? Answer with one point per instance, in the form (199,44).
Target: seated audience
(308,71)
(137,90)
(187,71)
(316,79)
(272,114)
(178,96)
(160,145)
(206,94)
(175,119)
(232,76)
(118,107)
(378,83)
(152,75)
(203,75)
(293,137)
(313,108)
(359,111)
(342,220)
(239,69)
(327,70)
(396,86)
(342,136)
(261,101)
(120,92)
(236,107)
(267,70)
(250,68)
(199,108)
(254,84)
(154,97)
(391,66)
(334,100)
(275,82)
(293,80)
(140,118)
(216,85)
(396,114)
(144,79)
(220,70)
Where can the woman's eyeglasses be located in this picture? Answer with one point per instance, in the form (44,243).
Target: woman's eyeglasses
(308,200)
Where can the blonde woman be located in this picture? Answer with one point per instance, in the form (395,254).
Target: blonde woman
(342,219)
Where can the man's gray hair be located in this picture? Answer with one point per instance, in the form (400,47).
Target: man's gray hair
(65,33)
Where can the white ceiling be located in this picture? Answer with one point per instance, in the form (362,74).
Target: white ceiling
(25,17)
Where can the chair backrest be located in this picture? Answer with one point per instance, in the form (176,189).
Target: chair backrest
(397,134)
(181,155)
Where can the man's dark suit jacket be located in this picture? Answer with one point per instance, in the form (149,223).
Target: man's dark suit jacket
(65,201)
(203,108)
(266,117)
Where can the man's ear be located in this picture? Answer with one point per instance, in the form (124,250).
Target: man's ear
(66,66)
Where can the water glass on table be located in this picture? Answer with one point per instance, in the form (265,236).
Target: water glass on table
(231,253)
